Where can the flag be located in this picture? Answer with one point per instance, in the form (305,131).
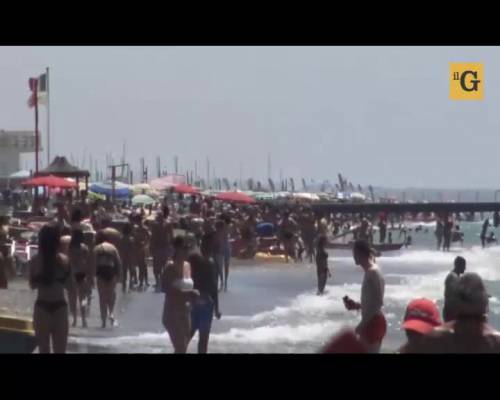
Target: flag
(41,86)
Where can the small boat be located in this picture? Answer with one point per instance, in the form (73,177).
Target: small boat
(16,335)
(378,247)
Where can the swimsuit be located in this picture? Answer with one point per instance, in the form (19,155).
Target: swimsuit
(202,313)
(106,272)
(51,306)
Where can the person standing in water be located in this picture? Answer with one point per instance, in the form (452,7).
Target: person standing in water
(81,271)
(470,331)
(49,274)
(373,325)
(439,233)
(486,225)
(179,293)
(382,225)
(322,264)
(108,269)
(204,307)
(448,228)
(450,284)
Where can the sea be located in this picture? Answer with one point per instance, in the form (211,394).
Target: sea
(275,309)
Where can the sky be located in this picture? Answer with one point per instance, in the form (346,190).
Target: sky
(378,115)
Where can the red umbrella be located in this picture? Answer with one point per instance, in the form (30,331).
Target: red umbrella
(50,181)
(185,189)
(237,197)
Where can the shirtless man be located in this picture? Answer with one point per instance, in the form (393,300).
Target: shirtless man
(373,325)
(161,242)
(107,267)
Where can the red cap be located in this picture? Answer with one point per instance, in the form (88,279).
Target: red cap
(422,315)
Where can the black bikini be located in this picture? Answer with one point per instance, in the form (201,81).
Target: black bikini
(51,306)
(106,272)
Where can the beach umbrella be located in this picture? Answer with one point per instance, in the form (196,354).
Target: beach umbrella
(185,189)
(141,188)
(236,197)
(142,199)
(122,190)
(50,181)
(167,182)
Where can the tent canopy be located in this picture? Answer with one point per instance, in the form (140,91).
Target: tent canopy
(61,167)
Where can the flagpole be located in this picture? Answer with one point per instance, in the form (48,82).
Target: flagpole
(48,118)
(36,127)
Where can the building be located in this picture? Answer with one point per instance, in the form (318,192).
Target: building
(12,145)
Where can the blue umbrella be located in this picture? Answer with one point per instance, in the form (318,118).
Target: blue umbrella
(121,190)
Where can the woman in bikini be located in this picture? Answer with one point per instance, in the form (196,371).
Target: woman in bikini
(79,259)
(50,275)
(108,269)
(179,293)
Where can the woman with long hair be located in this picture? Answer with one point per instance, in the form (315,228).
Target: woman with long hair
(81,272)
(179,293)
(50,275)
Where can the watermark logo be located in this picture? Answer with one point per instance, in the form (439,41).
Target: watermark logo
(466,81)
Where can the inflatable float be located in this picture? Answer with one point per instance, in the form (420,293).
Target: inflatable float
(260,259)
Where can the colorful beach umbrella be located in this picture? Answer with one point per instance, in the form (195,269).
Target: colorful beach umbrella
(122,190)
(142,199)
(185,189)
(50,181)
(236,197)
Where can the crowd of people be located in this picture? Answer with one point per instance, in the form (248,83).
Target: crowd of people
(190,245)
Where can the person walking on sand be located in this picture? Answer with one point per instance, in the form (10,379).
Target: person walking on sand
(128,257)
(179,293)
(49,274)
(373,326)
(161,238)
(108,269)
(81,273)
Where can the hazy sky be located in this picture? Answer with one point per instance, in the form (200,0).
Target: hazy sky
(379,115)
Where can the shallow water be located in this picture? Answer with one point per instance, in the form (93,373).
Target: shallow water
(275,309)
